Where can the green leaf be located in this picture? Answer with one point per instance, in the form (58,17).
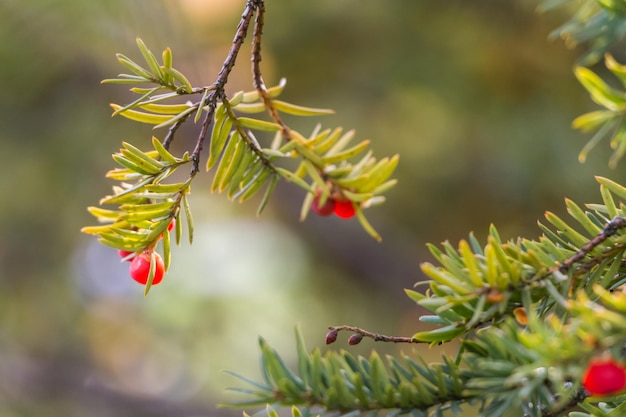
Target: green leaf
(250,108)
(616,68)
(240,151)
(593,120)
(225,162)
(126,80)
(384,187)
(614,187)
(171,189)
(163,153)
(155,215)
(150,59)
(248,160)
(618,142)
(299,110)
(149,118)
(316,177)
(186,86)
(600,92)
(268,193)
(329,141)
(381,172)
(306,153)
(347,154)
(167,63)
(255,184)
(180,116)
(178,228)
(151,273)
(187,211)
(221,132)
(170,109)
(236,99)
(341,143)
(138,101)
(256,124)
(142,169)
(289,176)
(201,105)
(167,255)
(303,356)
(274,91)
(103,214)
(306,206)
(141,158)
(597,137)
(366,225)
(441,334)
(134,67)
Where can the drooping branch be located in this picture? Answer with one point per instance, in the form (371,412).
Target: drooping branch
(222,79)
(257,76)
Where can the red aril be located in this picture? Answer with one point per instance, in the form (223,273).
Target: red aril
(140,268)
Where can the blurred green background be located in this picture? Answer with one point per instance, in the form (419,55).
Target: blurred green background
(472,95)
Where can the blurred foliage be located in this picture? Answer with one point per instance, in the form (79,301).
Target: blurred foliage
(480,104)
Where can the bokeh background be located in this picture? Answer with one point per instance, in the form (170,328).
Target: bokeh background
(473,95)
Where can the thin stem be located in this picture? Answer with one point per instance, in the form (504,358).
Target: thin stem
(609,230)
(252,144)
(376,336)
(167,142)
(257,77)
(222,79)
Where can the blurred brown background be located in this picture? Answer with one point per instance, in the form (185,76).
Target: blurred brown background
(472,95)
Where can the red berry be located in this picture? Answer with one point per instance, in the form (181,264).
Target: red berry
(604,377)
(324,210)
(171,225)
(124,253)
(344,209)
(140,268)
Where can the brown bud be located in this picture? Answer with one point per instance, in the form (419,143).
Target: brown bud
(331,336)
(355,339)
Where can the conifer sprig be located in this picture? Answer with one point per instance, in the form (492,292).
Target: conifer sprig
(529,315)
(245,161)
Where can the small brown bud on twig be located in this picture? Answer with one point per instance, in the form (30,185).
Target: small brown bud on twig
(331,336)
(355,339)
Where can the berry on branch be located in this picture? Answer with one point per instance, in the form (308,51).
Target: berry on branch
(344,209)
(140,268)
(325,209)
(604,377)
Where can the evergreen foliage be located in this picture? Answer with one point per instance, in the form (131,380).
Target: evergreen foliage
(529,314)
(328,162)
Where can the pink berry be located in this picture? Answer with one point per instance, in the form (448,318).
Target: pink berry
(171,225)
(604,377)
(344,209)
(324,210)
(140,268)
